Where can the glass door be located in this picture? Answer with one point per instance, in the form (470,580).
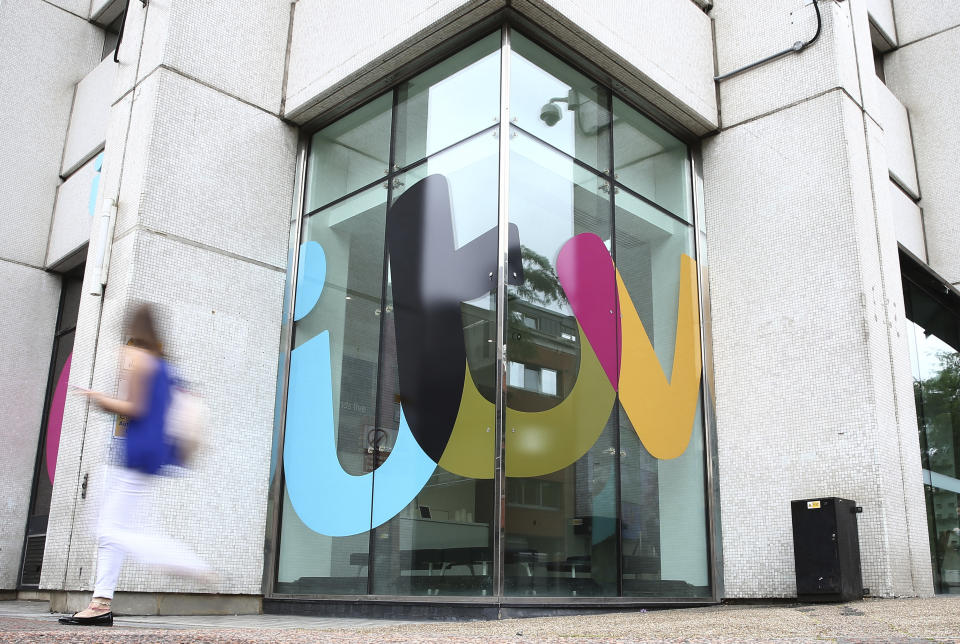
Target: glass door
(494,384)
(46,468)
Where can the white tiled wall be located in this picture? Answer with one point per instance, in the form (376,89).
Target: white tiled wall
(924,76)
(236,47)
(205,184)
(38,71)
(881,13)
(358,37)
(96,332)
(47,47)
(77,7)
(220,320)
(217,171)
(908,219)
(88,118)
(104,11)
(26,339)
(916,20)
(892,117)
(748,31)
(667,43)
(898,446)
(801,303)
(660,48)
(70,228)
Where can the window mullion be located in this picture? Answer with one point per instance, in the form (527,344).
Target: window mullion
(503,187)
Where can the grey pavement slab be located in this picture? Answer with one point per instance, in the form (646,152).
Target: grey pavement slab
(884,620)
(39,610)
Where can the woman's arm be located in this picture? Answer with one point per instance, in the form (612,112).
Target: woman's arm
(138,376)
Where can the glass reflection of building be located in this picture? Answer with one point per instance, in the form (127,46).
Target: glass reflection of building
(608,519)
(933,331)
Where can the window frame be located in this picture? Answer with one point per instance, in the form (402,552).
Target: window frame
(505,22)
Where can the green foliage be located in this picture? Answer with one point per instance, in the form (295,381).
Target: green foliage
(541,286)
(938,402)
(540,282)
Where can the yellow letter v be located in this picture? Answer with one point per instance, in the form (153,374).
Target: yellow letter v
(662,412)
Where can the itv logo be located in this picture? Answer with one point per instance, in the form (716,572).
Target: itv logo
(442,411)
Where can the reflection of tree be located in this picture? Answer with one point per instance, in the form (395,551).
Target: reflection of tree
(541,289)
(540,282)
(939,400)
(938,406)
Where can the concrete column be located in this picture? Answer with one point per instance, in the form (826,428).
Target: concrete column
(46,51)
(813,388)
(202,168)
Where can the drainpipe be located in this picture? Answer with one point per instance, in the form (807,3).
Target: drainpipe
(108,222)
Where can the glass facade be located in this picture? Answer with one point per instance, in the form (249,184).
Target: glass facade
(431,232)
(934,336)
(46,469)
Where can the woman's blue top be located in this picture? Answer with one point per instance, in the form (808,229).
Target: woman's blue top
(147,447)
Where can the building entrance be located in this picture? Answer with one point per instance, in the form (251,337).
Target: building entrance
(45,471)
(494,383)
(933,312)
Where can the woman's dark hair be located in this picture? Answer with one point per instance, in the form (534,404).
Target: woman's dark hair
(143,331)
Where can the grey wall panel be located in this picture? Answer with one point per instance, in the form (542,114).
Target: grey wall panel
(30,298)
(46,51)
(205,185)
(803,294)
(661,49)
(70,228)
(924,76)
(749,31)
(916,20)
(88,119)
(237,48)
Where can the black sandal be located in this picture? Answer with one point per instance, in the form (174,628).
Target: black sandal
(105,619)
(97,620)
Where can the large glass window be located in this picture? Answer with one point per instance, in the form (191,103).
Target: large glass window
(398,387)
(71,291)
(561,510)
(440,543)
(934,336)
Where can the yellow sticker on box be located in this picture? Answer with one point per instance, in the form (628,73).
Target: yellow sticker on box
(813,505)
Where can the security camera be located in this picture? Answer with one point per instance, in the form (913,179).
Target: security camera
(550,114)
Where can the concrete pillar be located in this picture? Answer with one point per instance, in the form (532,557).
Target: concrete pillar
(46,51)
(202,167)
(813,388)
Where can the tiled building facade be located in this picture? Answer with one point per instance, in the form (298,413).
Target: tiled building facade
(161,151)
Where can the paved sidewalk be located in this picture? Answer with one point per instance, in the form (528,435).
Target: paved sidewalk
(900,620)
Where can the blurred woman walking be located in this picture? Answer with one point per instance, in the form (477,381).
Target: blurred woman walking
(147,449)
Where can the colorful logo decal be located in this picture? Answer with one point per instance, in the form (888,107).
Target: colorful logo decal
(441,420)
(55,419)
(95,185)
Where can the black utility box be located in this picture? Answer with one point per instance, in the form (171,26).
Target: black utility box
(826,550)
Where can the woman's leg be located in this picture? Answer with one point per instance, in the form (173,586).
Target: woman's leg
(122,532)
(123,498)
(128,530)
